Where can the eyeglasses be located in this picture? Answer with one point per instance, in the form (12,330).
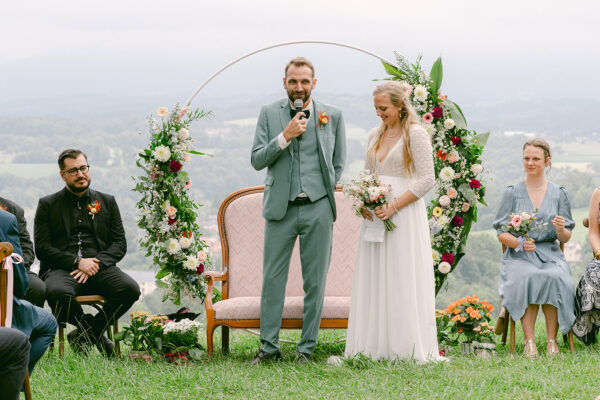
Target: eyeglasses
(73,171)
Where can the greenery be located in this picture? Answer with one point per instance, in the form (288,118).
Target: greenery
(565,376)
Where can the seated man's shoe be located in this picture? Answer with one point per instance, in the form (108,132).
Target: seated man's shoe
(106,346)
(78,342)
(263,356)
(303,358)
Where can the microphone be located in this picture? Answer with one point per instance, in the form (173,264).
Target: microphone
(298,103)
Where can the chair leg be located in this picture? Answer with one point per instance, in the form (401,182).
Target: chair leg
(571,344)
(117,343)
(210,328)
(61,340)
(512,336)
(507,319)
(225,339)
(26,386)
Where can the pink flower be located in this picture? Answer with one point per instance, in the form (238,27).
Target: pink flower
(457,221)
(153,176)
(427,118)
(516,221)
(200,269)
(453,157)
(181,113)
(452,193)
(455,140)
(437,112)
(171,212)
(465,207)
(475,184)
(201,256)
(188,184)
(449,258)
(175,166)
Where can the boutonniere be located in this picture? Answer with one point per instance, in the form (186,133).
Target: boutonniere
(322,119)
(2,207)
(94,208)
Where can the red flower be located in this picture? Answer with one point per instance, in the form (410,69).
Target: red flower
(442,353)
(449,258)
(455,140)
(441,155)
(200,269)
(172,221)
(475,184)
(436,112)
(457,221)
(175,166)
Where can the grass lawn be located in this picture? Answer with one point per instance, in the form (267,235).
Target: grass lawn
(566,376)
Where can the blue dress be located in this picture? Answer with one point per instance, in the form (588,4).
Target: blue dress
(542,276)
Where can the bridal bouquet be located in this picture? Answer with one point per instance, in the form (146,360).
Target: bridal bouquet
(520,225)
(367,191)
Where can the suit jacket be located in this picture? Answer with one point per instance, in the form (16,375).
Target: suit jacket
(24,314)
(266,153)
(52,231)
(26,243)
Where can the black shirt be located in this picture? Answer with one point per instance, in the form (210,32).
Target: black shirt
(82,240)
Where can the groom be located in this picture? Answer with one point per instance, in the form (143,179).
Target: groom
(304,154)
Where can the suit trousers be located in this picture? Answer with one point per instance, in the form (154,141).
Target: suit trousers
(41,336)
(313,224)
(118,288)
(36,290)
(14,356)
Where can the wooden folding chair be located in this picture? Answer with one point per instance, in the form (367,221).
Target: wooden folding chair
(512,326)
(6,250)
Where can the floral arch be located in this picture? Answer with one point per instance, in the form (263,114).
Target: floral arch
(167,215)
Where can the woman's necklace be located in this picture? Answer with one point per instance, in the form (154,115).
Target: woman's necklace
(391,136)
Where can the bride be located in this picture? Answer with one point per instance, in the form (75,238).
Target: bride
(392,309)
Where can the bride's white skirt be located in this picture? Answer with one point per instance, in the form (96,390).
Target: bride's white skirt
(392,309)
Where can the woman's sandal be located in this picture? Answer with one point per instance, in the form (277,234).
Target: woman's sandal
(530,351)
(551,347)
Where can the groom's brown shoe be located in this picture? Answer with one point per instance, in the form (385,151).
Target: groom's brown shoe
(262,357)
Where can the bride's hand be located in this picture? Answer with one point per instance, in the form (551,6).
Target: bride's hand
(366,213)
(384,212)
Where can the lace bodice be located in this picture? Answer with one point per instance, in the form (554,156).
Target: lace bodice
(423,176)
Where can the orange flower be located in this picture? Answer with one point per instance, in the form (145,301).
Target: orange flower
(470,310)
(460,330)
(456,318)
(463,319)
(441,155)
(456,311)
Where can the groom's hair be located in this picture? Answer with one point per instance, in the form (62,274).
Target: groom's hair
(300,62)
(69,153)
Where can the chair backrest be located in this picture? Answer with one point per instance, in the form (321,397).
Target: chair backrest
(241,228)
(6,250)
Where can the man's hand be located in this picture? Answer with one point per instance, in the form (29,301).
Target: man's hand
(87,267)
(295,127)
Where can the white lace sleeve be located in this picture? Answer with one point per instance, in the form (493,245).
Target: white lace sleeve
(370,164)
(422,154)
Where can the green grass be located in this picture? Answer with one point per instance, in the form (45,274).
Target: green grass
(566,376)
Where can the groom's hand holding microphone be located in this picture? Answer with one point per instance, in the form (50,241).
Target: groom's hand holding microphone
(297,126)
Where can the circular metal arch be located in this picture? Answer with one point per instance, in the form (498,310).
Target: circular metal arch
(187,103)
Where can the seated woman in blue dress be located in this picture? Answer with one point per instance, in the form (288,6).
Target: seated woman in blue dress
(535,272)
(587,297)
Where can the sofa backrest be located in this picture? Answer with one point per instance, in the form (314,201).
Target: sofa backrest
(241,227)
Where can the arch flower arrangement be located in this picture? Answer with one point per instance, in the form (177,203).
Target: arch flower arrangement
(166,213)
(457,162)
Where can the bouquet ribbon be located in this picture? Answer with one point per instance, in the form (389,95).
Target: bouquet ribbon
(8,266)
(521,240)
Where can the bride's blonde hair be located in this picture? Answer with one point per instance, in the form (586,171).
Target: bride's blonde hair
(399,93)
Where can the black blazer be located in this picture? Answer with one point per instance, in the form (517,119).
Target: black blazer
(26,244)
(52,230)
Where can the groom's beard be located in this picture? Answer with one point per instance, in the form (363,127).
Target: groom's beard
(79,190)
(302,95)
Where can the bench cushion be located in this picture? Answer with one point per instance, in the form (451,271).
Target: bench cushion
(248,308)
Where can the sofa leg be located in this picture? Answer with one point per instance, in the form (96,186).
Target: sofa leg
(225,339)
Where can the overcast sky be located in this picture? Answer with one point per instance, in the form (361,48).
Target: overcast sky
(492,51)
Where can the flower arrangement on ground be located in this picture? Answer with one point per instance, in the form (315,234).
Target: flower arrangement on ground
(471,317)
(367,191)
(143,331)
(457,163)
(180,341)
(167,215)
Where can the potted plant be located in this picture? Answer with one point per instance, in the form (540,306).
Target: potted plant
(143,334)
(470,317)
(179,341)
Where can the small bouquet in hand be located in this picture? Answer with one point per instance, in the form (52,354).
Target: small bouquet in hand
(520,225)
(367,191)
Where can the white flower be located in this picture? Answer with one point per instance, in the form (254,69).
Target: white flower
(429,128)
(373,193)
(436,256)
(444,201)
(420,93)
(173,247)
(335,361)
(201,256)
(443,220)
(449,123)
(447,174)
(185,242)
(476,169)
(162,111)
(190,262)
(185,157)
(444,267)
(162,153)
(183,134)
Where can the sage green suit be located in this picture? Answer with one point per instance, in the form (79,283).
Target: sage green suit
(313,166)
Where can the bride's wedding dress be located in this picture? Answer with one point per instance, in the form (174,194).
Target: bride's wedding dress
(392,309)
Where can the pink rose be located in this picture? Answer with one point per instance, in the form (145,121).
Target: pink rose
(452,157)
(452,193)
(171,212)
(201,256)
(465,207)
